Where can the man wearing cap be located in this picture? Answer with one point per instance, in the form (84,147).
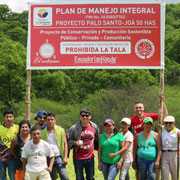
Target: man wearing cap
(147,151)
(170,148)
(82,138)
(41,118)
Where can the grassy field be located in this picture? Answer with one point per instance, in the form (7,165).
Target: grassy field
(67,113)
(98,174)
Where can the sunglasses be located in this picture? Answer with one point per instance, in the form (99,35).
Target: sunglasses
(168,123)
(85,115)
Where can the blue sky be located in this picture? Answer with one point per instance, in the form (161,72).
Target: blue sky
(20,5)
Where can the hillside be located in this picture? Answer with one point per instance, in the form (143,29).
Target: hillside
(109,93)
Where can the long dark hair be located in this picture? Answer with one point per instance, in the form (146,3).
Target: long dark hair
(116,129)
(21,124)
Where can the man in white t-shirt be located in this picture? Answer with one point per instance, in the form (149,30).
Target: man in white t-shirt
(34,156)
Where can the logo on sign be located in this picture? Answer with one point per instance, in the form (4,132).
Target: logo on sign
(144,48)
(42,13)
(46,50)
(42,16)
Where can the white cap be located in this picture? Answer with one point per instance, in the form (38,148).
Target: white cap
(126,120)
(169,119)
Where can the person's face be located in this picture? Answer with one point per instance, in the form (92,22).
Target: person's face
(36,136)
(139,109)
(25,129)
(9,120)
(147,127)
(50,121)
(169,125)
(124,126)
(41,120)
(108,127)
(85,118)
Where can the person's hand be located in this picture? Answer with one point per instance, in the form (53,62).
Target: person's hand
(100,166)
(111,155)
(157,165)
(79,143)
(65,161)
(134,165)
(49,169)
(162,97)
(119,165)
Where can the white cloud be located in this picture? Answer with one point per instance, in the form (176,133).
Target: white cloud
(16,5)
(20,5)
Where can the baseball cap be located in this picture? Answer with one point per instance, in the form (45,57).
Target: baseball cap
(148,120)
(40,114)
(126,120)
(85,111)
(169,119)
(108,121)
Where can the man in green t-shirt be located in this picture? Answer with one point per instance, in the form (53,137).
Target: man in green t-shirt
(8,131)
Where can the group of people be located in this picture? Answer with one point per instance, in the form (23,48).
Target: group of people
(40,152)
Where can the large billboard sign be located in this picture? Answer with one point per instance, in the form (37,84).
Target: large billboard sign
(126,35)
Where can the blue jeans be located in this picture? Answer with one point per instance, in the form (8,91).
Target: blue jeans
(88,165)
(59,168)
(146,169)
(109,171)
(11,166)
(124,171)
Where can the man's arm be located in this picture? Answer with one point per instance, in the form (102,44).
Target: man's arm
(50,154)
(51,162)
(71,140)
(96,140)
(24,158)
(154,115)
(73,136)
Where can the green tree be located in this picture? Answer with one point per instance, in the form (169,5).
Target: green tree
(55,85)
(5,12)
(12,70)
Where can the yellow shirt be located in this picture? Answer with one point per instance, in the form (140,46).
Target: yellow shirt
(8,134)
